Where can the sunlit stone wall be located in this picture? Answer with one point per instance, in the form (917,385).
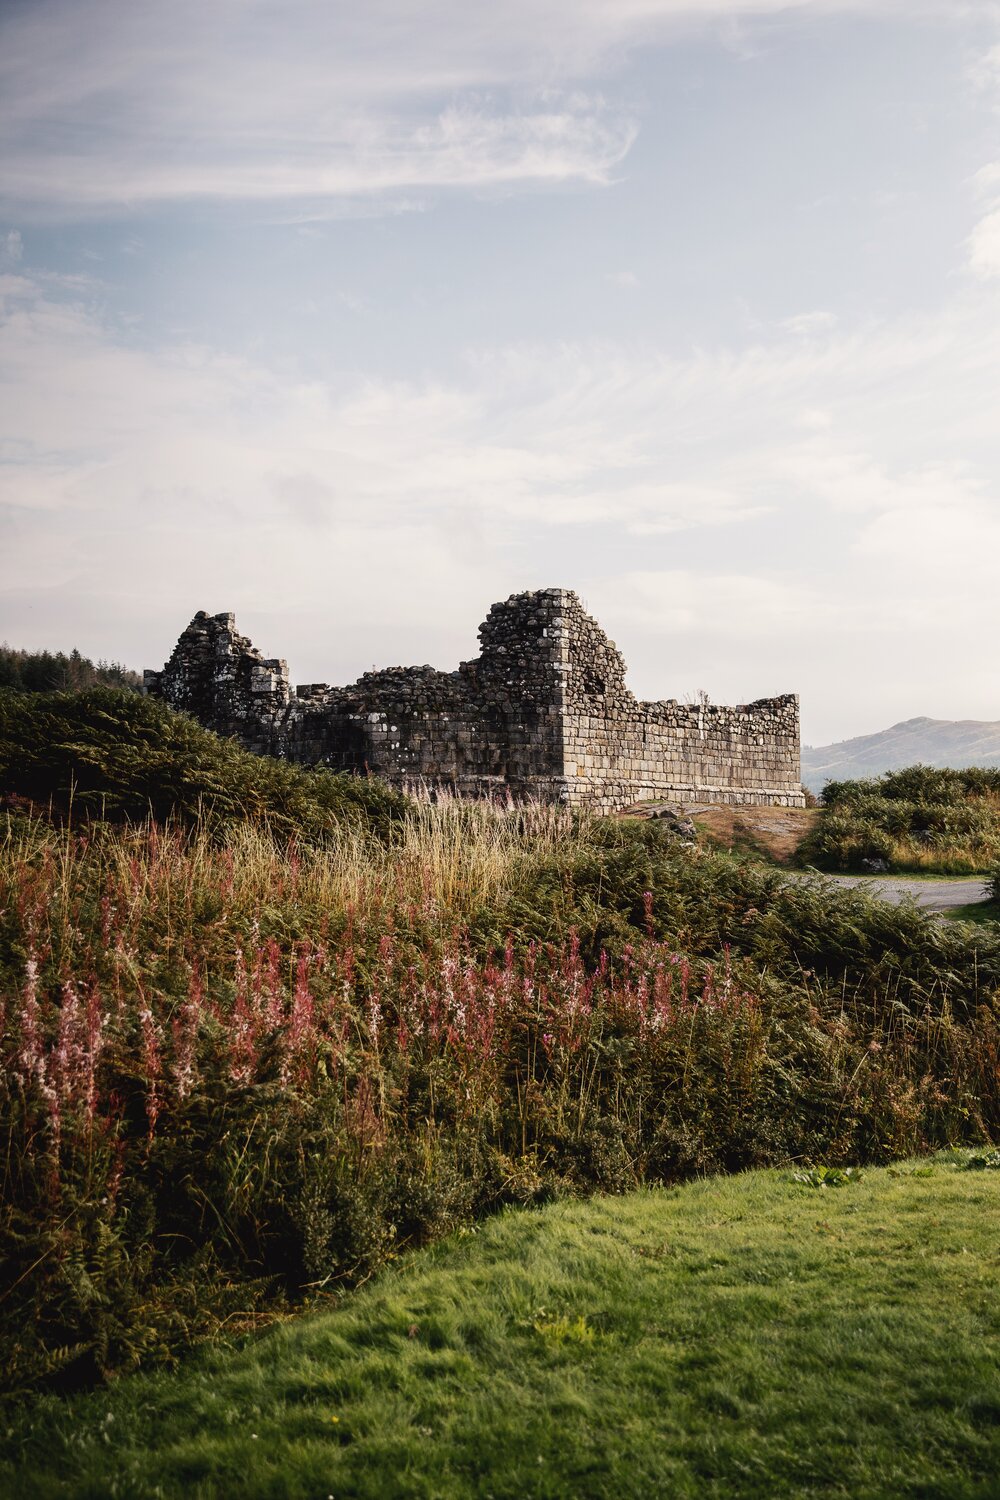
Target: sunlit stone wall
(542,712)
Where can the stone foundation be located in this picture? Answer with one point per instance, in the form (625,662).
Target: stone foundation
(542,712)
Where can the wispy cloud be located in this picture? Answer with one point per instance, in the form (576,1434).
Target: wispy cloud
(469,145)
(194,479)
(111,105)
(984,245)
(810,324)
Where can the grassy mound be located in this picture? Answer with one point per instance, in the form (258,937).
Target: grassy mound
(109,753)
(749,1337)
(920,819)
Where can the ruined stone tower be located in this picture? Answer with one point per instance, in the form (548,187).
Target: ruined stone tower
(543,711)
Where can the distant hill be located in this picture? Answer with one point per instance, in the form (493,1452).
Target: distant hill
(929,742)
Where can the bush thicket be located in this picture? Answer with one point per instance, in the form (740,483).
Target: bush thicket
(113,754)
(920,819)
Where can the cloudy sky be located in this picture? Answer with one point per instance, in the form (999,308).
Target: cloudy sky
(354,318)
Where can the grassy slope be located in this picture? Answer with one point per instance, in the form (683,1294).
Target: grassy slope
(745,1336)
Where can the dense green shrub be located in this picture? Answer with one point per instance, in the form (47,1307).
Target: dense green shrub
(115,754)
(920,818)
(921,784)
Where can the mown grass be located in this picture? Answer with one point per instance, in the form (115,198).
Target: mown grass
(750,1336)
(981,913)
(920,820)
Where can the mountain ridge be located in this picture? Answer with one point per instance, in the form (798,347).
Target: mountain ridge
(930,742)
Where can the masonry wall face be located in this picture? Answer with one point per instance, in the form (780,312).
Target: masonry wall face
(542,712)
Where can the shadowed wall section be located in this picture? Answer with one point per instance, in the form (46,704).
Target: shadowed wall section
(542,712)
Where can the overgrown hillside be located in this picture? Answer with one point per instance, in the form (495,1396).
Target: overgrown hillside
(920,819)
(116,755)
(246,1059)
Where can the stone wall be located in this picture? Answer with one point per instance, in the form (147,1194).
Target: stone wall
(543,712)
(618,750)
(216,675)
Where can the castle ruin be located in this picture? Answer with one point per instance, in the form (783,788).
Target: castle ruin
(543,712)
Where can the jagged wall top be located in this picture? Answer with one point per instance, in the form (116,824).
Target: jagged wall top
(220,677)
(543,710)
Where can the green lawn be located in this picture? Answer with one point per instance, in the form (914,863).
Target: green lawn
(748,1336)
(981,912)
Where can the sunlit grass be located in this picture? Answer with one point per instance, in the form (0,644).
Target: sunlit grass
(742,1337)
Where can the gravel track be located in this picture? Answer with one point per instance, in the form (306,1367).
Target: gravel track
(933,895)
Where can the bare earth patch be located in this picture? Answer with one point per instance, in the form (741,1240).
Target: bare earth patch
(773,832)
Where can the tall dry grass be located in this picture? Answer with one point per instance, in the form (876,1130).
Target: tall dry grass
(173,885)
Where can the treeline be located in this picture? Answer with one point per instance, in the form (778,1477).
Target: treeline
(57,672)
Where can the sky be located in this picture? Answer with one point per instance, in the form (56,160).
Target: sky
(354,319)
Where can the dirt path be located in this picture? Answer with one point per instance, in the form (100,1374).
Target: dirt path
(934,895)
(776,833)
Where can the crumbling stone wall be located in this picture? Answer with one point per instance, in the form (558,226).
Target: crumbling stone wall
(543,711)
(618,750)
(216,675)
